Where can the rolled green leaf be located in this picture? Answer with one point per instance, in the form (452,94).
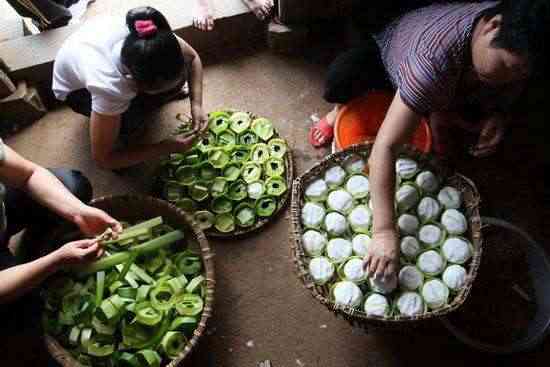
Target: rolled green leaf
(240,122)
(222,205)
(199,192)
(237,191)
(184,323)
(100,287)
(127,360)
(218,158)
(277,148)
(127,292)
(248,138)
(102,328)
(266,206)
(260,153)
(218,124)
(232,172)
(178,284)
(207,171)
(147,315)
(173,343)
(205,219)
(275,186)
(149,358)
(227,139)
(251,172)
(245,215)
(219,187)
(240,154)
(225,223)
(194,284)
(162,297)
(188,263)
(274,167)
(263,128)
(187,175)
(206,142)
(189,305)
(186,204)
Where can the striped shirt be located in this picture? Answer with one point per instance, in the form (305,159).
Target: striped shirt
(426,52)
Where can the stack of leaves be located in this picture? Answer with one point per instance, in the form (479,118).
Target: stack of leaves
(136,306)
(234,175)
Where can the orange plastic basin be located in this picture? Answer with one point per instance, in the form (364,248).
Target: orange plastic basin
(359,121)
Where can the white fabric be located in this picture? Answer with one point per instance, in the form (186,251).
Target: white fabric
(90,59)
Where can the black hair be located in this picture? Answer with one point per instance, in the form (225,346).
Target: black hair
(524,29)
(152,58)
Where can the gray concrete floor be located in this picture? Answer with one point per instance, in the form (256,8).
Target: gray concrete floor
(259,298)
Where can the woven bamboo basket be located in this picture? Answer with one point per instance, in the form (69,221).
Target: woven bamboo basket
(289,176)
(356,316)
(136,208)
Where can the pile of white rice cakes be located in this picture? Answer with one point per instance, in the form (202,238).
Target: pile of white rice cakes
(434,250)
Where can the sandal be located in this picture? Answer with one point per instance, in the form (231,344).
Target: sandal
(327,132)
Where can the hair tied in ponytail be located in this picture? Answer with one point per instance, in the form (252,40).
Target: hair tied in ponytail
(145,28)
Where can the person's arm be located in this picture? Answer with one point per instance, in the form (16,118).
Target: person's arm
(398,127)
(44,187)
(195,82)
(104,132)
(20,279)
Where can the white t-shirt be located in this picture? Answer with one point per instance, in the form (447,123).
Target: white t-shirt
(90,59)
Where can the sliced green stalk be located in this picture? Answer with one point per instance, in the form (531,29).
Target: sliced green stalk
(205,219)
(172,191)
(148,358)
(127,292)
(121,257)
(127,360)
(263,128)
(187,175)
(173,343)
(237,191)
(260,153)
(126,267)
(97,350)
(266,206)
(151,223)
(184,323)
(188,264)
(275,186)
(102,328)
(206,142)
(248,138)
(74,335)
(251,172)
(218,124)
(218,158)
(227,139)
(221,205)
(141,274)
(240,154)
(245,215)
(274,167)
(142,293)
(239,122)
(190,305)
(147,315)
(187,204)
(219,187)
(277,148)
(177,284)
(100,287)
(207,171)
(232,172)
(225,223)
(162,297)
(194,284)
(199,192)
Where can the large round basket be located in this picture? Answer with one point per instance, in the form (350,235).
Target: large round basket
(261,222)
(356,316)
(138,208)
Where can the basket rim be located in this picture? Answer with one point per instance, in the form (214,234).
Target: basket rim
(357,316)
(62,356)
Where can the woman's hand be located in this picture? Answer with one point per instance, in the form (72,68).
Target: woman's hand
(78,252)
(200,119)
(491,135)
(383,255)
(93,221)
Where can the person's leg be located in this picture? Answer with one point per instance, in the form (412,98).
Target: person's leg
(350,75)
(23,212)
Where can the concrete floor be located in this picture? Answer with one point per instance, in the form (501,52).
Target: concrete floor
(262,310)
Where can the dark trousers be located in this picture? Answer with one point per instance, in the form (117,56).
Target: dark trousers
(355,72)
(24,212)
(46,14)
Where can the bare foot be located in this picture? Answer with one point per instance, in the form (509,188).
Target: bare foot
(261,8)
(203,15)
